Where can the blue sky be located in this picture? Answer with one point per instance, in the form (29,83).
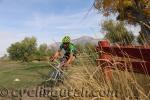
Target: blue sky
(47,20)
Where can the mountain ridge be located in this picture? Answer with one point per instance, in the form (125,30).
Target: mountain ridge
(81,40)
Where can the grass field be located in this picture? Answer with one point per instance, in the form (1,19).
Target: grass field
(29,74)
(84,74)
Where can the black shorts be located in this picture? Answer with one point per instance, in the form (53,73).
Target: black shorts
(67,55)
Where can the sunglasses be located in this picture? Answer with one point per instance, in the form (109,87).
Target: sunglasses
(65,43)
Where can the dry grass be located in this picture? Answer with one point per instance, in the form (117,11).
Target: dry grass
(86,77)
(123,86)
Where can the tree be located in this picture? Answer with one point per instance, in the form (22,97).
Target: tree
(23,50)
(132,11)
(117,33)
(42,52)
(15,51)
(43,49)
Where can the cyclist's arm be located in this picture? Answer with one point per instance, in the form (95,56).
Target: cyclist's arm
(56,55)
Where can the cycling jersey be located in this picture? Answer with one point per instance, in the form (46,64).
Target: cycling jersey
(70,49)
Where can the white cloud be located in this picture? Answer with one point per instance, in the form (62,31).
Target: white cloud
(51,28)
(64,22)
(58,25)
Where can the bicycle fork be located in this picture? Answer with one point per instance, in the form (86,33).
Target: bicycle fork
(56,75)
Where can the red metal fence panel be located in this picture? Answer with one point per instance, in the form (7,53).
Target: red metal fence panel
(140,54)
(137,53)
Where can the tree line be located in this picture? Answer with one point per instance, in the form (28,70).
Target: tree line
(27,50)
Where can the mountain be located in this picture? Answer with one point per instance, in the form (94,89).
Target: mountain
(82,40)
(85,39)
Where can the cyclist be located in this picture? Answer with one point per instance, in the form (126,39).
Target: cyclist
(70,51)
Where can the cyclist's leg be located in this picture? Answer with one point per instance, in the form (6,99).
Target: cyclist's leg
(65,59)
(73,58)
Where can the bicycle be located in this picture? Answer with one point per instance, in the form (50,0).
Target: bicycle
(56,74)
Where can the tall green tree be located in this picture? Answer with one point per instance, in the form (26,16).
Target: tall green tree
(23,50)
(132,11)
(117,32)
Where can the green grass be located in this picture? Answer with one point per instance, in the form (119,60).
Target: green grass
(30,74)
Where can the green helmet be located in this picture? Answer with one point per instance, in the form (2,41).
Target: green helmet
(66,39)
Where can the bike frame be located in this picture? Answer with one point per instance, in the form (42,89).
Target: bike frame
(58,72)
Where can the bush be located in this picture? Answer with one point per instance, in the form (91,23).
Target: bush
(23,50)
(117,33)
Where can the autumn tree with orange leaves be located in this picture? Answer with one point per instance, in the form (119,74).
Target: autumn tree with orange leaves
(132,11)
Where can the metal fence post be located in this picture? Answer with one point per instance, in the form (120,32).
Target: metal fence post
(105,56)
